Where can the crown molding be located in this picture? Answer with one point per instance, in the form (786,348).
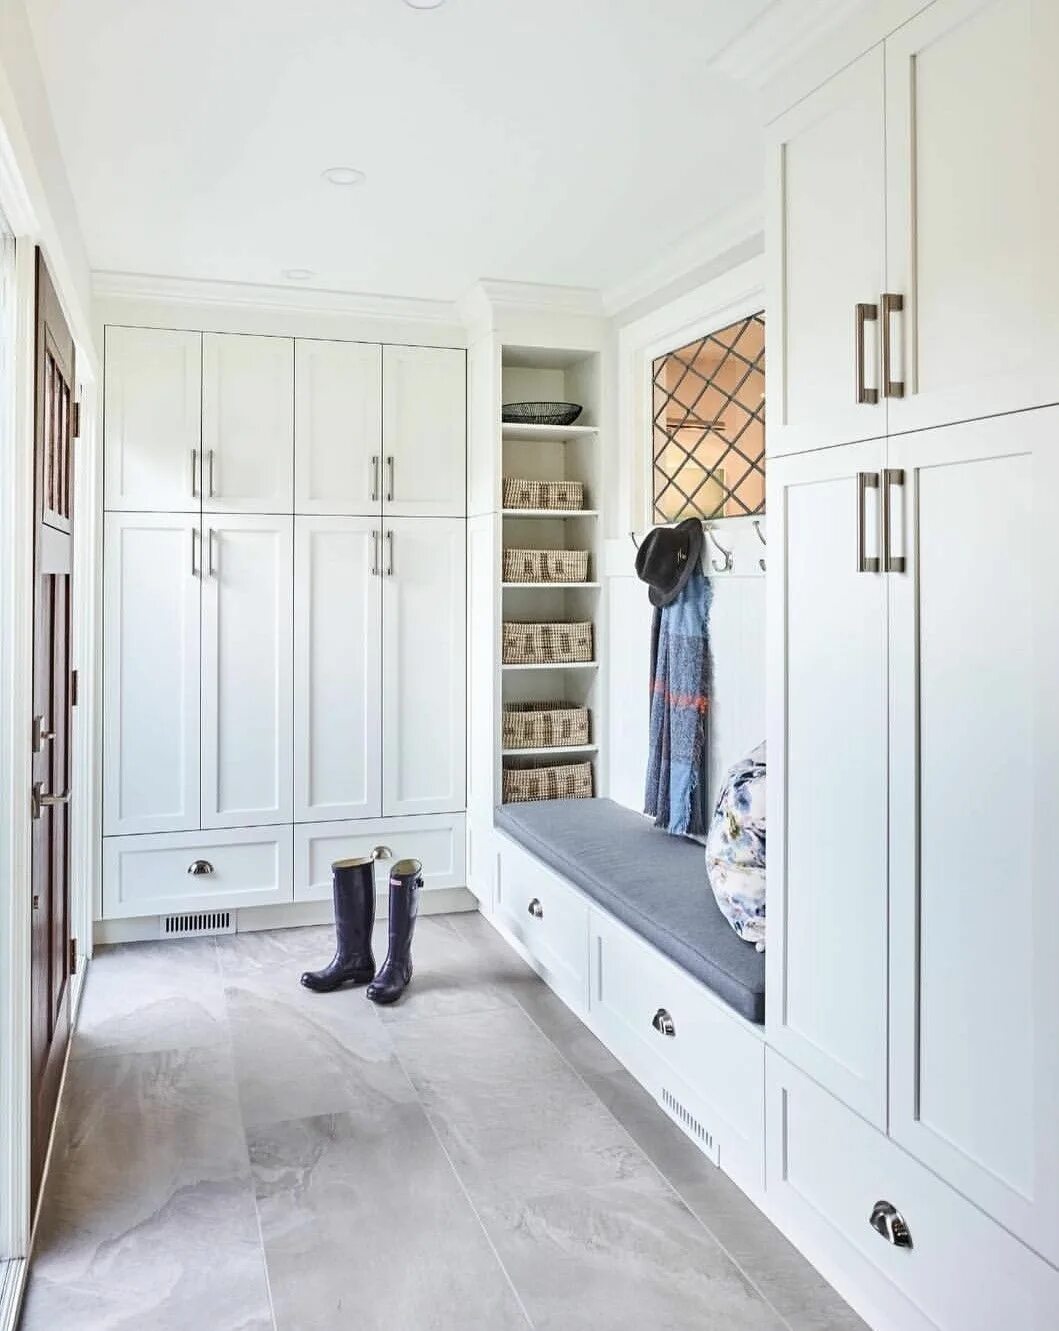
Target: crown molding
(784,33)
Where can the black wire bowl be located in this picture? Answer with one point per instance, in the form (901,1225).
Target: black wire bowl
(540,413)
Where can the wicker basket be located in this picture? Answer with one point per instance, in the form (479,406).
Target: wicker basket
(544,725)
(547,644)
(545,565)
(563,495)
(568,781)
(540,413)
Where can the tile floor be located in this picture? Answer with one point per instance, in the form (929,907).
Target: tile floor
(235,1154)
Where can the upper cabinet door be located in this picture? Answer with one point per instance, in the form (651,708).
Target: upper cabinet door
(974,790)
(973,210)
(337,668)
(337,427)
(424,419)
(247,671)
(827,790)
(424,679)
(151,590)
(247,423)
(152,400)
(826,247)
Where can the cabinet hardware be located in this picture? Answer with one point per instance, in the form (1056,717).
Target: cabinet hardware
(375,569)
(888,1221)
(73,956)
(389,554)
(536,909)
(194,544)
(211,567)
(75,420)
(197,868)
(375,479)
(194,473)
(389,479)
(864,314)
(75,687)
(36,902)
(866,480)
(209,458)
(891,476)
(663,1023)
(382,853)
(40,735)
(891,304)
(41,799)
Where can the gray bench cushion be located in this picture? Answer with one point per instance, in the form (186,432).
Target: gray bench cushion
(653,882)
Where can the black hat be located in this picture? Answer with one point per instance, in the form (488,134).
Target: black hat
(666,558)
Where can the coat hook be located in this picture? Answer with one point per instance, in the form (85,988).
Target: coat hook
(761,538)
(635,542)
(727,565)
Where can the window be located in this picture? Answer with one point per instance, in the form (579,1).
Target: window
(709,426)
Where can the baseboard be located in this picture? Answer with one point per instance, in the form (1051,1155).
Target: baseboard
(12,1286)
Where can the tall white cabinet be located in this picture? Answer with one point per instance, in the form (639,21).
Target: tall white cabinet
(284,588)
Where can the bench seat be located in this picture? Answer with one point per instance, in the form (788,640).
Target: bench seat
(652,882)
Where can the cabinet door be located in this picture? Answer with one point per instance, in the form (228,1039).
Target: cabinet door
(974,793)
(438,841)
(151,594)
(424,423)
(152,409)
(337,427)
(826,247)
(337,669)
(973,209)
(247,671)
(248,423)
(827,751)
(423,687)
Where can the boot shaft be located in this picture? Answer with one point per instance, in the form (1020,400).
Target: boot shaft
(406,882)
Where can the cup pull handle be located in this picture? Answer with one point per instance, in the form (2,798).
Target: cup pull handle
(536,909)
(663,1023)
(888,1221)
(197,868)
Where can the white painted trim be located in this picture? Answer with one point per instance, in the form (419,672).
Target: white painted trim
(13,1277)
(779,38)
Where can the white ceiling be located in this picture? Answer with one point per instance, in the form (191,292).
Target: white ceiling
(560,141)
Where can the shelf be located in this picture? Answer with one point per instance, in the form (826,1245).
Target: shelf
(540,586)
(552,665)
(542,434)
(551,750)
(550,512)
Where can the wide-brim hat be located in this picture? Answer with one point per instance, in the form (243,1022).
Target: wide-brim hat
(666,559)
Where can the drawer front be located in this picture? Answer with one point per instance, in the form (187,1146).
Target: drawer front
(437,841)
(179,871)
(826,1169)
(548,917)
(673,1033)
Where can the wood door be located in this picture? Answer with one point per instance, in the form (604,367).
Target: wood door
(152,580)
(974,791)
(424,601)
(337,668)
(247,671)
(52,700)
(973,209)
(826,244)
(337,427)
(827,748)
(152,419)
(424,424)
(247,423)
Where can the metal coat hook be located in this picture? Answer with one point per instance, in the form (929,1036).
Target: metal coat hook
(727,565)
(635,542)
(761,538)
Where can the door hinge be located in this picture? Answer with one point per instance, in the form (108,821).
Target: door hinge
(73,688)
(75,421)
(73,956)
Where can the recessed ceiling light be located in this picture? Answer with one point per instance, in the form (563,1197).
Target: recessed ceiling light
(344,175)
(297,274)
(425,4)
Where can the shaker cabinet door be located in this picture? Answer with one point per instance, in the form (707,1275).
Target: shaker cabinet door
(424,420)
(247,423)
(337,427)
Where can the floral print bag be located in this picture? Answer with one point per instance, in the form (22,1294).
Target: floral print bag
(735,848)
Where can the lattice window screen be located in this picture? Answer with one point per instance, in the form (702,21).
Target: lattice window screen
(709,425)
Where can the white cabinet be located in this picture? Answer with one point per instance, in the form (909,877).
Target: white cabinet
(827,790)
(438,841)
(338,668)
(424,431)
(152,455)
(247,423)
(247,669)
(423,689)
(337,427)
(151,593)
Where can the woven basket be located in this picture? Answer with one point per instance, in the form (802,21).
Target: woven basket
(544,725)
(564,495)
(570,781)
(545,565)
(540,413)
(547,644)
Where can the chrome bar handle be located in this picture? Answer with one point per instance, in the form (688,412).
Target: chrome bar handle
(211,568)
(209,458)
(375,479)
(376,571)
(194,544)
(891,476)
(194,473)
(866,480)
(389,553)
(389,479)
(864,314)
(891,304)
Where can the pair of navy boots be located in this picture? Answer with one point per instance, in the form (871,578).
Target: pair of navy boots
(354,961)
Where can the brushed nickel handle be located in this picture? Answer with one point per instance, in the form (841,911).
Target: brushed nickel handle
(389,554)
(891,476)
(864,314)
(663,1023)
(375,479)
(536,909)
(209,457)
(891,304)
(199,868)
(194,473)
(211,567)
(382,853)
(866,480)
(888,1221)
(40,735)
(194,547)
(41,799)
(375,569)
(389,479)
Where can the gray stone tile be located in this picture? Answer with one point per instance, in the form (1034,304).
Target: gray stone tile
(625,1257)
(366,1225)
(450,977)
(147,997)
(277,954)
(651,1128)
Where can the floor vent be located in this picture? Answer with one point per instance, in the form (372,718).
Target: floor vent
(689,1122)
(202,922)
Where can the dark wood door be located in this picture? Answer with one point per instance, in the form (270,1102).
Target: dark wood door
(52,702)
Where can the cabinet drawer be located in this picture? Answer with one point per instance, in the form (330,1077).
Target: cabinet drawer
(152,875)
(826,1170)
(437,841)
(548,917)
(702,1062)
